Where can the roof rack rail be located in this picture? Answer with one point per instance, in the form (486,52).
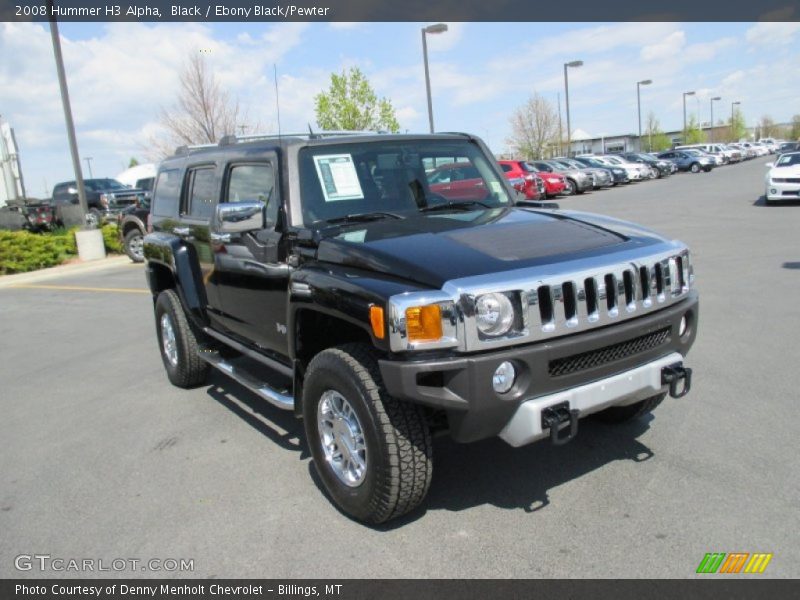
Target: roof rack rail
(187,149)
(234,139)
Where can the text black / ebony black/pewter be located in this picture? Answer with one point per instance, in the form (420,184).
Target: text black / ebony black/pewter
(388,287)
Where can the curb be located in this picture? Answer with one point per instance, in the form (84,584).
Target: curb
(64,270)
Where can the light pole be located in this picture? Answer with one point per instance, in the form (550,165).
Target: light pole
(684,113)
(712,115)
(88,160)
(737,103)
(574,63)
(438,28)
(639,106)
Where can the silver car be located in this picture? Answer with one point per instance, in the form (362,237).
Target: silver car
(601,178)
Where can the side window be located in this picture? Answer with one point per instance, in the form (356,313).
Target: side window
(506,168)
(201,193)
(166,193)
(254,183)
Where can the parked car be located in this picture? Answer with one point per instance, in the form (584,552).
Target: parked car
(34,216)
(382,313)
(457,181)
(132,227)
(618,174)
(662,168)
(554,183)
(788,147)
(636,172)
(688,160)
(714,150)
(104,198)
(524,178)
(783,178)
(576,182)
(601,178)
(747,152)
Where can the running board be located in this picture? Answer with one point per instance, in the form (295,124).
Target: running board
(262,389)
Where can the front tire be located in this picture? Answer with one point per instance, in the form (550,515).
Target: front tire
(180,351)
(134,245)
(622,414)
(571,188)
(695,168)
(373,453)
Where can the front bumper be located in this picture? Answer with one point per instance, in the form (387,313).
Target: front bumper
(783,191)
(462,384)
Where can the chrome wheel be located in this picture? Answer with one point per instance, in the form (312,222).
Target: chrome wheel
(92,220)
(168,341)
(136,248)
(342,438)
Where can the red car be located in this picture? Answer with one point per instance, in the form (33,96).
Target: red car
(458,181)
(523,180)
(554,183)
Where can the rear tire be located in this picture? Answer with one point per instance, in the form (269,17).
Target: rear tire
(180,351)
(346,408)
(622,414)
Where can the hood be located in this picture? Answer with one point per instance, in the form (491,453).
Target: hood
(784,172)
(431,249)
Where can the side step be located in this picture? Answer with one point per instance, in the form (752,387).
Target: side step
(280,398)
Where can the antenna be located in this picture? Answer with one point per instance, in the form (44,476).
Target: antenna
(277,101)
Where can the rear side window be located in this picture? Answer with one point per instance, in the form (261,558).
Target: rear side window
(201,193)
(506,168)
(254,183)
(167,192)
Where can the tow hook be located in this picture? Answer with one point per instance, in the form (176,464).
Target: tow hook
(554,416)
(673,375)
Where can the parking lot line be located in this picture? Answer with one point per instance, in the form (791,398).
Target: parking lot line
(79,288)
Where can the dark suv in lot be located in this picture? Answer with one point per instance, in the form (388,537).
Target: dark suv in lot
(331,276)
(104,197)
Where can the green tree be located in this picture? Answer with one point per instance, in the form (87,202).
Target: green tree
(655,139)
(794,134)
(693,134)
(737,127)
(134,162)
(351,104)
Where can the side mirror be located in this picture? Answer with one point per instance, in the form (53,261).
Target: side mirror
(239,217)
(769,164)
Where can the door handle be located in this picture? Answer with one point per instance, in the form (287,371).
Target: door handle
(181,231)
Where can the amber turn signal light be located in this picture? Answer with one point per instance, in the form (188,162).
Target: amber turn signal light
(376,320)
(424,323)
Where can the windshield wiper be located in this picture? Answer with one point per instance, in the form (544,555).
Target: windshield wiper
(362,218)
(460,205)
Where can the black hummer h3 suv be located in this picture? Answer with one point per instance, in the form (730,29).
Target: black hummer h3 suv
(329,275)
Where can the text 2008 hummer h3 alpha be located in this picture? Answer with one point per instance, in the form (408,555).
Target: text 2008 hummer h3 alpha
(386,287)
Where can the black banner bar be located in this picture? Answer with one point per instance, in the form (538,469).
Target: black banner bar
(403,11)
(729,587)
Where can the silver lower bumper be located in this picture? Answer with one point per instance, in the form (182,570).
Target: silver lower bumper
(618,390)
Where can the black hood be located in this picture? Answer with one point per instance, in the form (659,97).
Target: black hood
(431,249)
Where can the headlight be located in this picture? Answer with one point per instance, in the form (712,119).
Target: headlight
(553,179)
(104,200)
(494,314)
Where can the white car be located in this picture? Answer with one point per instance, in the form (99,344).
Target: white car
(783,178)
(635,171)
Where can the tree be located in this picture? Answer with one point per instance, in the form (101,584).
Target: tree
(656,140)
(133,162)
(351,104)
(736,127)
(693,134)
(534,125)
(767,127)
(202,114)
(794,134)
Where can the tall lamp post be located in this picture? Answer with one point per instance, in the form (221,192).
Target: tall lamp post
(737,103)
(712,115)
(88,160)
(574,63)
(438,28)
(684,113)
(639,106)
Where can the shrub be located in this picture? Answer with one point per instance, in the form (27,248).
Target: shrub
(22,251)
(111,238)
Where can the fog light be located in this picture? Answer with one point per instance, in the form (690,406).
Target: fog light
(503,378)
(773,192)
(682,326)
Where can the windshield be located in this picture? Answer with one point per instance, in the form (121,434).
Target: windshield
(693,152)
(394,178)
(788,160)
(613,160)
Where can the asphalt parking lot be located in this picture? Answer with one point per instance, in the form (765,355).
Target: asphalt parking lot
(102,458)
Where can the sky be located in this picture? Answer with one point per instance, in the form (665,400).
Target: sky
(121,75)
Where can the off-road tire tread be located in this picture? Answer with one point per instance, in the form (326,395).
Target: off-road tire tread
(405,432)
(192,370)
